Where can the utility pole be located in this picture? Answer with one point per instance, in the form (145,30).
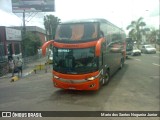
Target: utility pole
(23,34)
(24,25)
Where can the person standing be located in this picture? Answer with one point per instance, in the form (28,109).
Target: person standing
(18,64)
(11,65)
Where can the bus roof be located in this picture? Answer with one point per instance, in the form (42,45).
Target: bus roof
(86,20)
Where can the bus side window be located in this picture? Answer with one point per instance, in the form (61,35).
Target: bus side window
(101,34)
(100,60)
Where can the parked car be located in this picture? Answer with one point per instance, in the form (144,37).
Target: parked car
(135,51)
(148,49)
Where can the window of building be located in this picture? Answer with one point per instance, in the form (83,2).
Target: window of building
(2,53)
(0,38)
(16,47)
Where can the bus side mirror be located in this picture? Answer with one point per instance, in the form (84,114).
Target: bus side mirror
(45,45)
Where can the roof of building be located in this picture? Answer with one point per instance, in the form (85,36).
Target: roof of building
(31,28)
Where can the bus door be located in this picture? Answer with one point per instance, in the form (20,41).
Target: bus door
(102,64)
(118,47)
(111,57)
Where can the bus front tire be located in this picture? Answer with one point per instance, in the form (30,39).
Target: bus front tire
(121,64)
(106,78)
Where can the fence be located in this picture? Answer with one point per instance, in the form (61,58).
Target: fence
(30,59)
(4,68)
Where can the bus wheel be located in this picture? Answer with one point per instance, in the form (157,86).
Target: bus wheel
(121,64)
(106,78)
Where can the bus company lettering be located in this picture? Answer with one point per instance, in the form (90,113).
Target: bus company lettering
(34,115)
(15,114)
(152,114)
(106,114)
(72,46)
(124,114)
(138,115)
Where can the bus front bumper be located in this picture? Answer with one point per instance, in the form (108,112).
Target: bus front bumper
(77,84)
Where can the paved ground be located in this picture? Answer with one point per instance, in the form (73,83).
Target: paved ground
(27,68)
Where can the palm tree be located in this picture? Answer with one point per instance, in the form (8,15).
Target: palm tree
(137,29)
(50,24)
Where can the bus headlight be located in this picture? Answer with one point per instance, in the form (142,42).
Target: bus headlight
(91,78)
(56,77)
(94,77)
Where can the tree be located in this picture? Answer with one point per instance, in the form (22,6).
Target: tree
(137,30)
(30,44)
(50,24)
(153,35)
(158,40)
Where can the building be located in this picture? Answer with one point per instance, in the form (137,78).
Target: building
(35,30)
(38,31)
(11,39)
(10,42)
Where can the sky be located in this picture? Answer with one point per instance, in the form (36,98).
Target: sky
(118,12)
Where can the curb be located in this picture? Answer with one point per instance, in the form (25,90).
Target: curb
(15,78)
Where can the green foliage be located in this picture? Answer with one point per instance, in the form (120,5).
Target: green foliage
(158,41)
(158,38)
(30,44)
(153,36)
(50,24)
(137,29)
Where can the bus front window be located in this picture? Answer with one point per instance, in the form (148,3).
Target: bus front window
(75,61)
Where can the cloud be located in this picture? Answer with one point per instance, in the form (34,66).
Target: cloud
(9,19)
(119,12)
(5,5)
(155,12)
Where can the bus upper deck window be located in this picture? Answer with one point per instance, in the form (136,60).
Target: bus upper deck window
(77,31)
(88,31)
(65,31)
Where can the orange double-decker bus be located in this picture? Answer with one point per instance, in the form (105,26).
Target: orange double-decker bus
(86,53)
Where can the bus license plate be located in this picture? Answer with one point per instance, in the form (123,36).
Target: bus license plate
(71,88)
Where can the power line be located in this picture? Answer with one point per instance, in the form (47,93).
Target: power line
(32,17)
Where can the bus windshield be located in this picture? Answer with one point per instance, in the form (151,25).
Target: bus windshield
(77,31)
(75,61)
